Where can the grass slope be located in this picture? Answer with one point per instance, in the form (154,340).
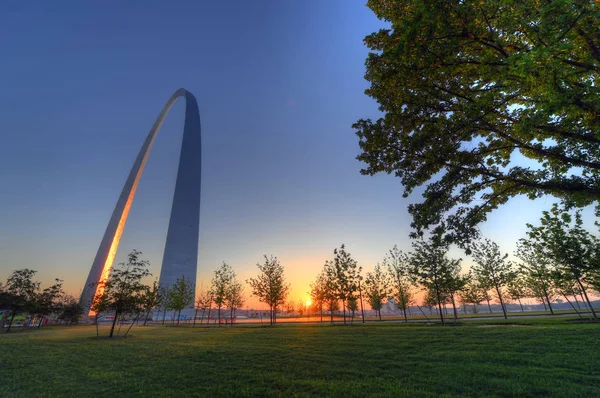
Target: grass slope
(541,358)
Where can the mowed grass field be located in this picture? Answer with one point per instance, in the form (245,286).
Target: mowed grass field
(550,357)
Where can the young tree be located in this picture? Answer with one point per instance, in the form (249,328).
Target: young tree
(48,301)
(472,293)
(122,291)
(377,288)
(456,283)
(163,305)
(352,306)
(398,265)
(289,307)
(343,273)
(564,242)
(537,274)
(220,286)
(301,307)
(203,303)
(432,268)
(491,267)
(20,293)
(234,298)
(270,286)
(71,310)
(151,299)
(463,86)
(516,288)
(181,296)
(318,293)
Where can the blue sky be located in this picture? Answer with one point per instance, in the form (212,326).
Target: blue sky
(279,84)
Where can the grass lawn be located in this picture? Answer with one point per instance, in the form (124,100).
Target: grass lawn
(547,357)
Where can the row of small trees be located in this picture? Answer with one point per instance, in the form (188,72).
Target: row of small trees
(559,257)
(21,295)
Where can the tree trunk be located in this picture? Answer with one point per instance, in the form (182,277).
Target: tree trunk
(587,299)
(112,328)
(379,311)
(164,316)
(331,312)
(577,301)
(522,310)
(454,308)
(548,300)
(487,298)
(219,314)
(178,316)
(130,326)
(195,315)
(544,303)
(571,304)
(321,311)
(97,331)
(501,301)
(582,299)
(12,318)
(437,294)
(146,316)
(344,309)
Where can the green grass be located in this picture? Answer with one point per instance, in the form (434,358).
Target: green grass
(548,357)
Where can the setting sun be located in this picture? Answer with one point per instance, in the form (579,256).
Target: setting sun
(308,302)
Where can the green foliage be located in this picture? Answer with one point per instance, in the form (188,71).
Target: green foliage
(467,88)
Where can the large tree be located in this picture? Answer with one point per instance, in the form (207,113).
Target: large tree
(470,88)
(270,286)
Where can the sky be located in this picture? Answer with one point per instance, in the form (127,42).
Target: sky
(278,83)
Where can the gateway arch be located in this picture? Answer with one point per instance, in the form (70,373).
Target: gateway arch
(181,248)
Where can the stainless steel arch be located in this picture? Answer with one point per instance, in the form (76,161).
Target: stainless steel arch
(181,248)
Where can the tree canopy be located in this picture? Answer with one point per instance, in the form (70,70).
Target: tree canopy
(484,101)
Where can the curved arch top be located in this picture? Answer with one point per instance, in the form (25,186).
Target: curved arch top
(181,248)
